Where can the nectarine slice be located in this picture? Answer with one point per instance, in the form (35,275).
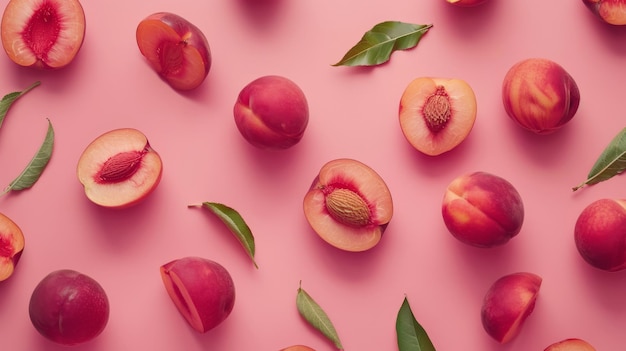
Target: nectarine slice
(348,205)
(119,168)
(437,114)
(11,246)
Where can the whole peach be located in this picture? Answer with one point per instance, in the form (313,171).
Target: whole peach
(571,344)
(540,95)
(482,209)
(297,348)
(272,112)
(610,11)
(68,307)
(600,234)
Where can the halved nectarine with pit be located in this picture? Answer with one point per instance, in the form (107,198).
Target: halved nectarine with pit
(11,246)
(437,114)
(119,168)
(348,205)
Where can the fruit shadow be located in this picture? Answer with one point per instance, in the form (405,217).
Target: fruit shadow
(470,21)
(611,36)
(261,13)
(546,149)
(607,287)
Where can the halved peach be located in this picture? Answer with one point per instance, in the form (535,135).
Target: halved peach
(43,34)
(119,168)
(11,246)
(437,114)
(348,205)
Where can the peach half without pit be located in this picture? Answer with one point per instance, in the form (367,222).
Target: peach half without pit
(175,48)
(348,205)
(482,209)
(11,246)
(202,290)
(600,234)
(271,112)
(437,114)
(43,34)
(609,11)
(540,95)
(119,168)
(571,344)
(508,303)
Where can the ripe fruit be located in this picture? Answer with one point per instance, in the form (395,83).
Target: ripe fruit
(348,205)
(202,290)
(43,34)
(437,114)
(68,307)
(610,11)
(482,209)
(572,344)
(466,3)
(11,246)
(297,348)
(600,234)
(540,95)
(175,48)
(271,112)
(119,168)
(507,304)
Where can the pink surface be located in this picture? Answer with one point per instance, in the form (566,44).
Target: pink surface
(354,113)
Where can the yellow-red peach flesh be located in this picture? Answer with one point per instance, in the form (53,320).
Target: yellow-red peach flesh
(600,234)
(175,48)
(119,168)
(540,95)
(570,344)
(348,205)
(271,112)
(43,34)
(482,209)
(437,114)
(11,246)
(609,11)
(508,303)
(201,289)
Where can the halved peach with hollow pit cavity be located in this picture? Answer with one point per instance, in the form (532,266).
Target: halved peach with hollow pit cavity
(437,114)
(348,205)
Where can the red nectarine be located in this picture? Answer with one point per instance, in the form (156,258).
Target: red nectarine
(609,11)
(11,246)
(572,344)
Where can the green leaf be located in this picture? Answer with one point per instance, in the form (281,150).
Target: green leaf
(316,317)
(233,220)
(37,164)
(411,335)
(611,162)
(377,44)
(10,98)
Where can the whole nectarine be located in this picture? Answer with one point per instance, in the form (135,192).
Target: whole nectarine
(571,344)
(600,234)
(69,307)
(437,114)
(609,11)
(297,348)
(11,246)
(43,34)
(540,95)
(271,112)
(348,205)
(482,209)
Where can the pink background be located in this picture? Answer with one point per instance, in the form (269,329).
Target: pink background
(353,113)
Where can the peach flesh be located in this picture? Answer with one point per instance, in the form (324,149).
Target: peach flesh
(68,307)
(610,11)
(508,303)
(482,209)
(600,234)
(119,168)
(202,290)
(43,34)
(348,205)
(437,114)
(11,246)
(175,48)
(572,344)
(271,112)
(540,95)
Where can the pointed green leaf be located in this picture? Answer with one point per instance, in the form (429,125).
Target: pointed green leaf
(611,162)
(236,224)
(377,44)
(411,335)
(316,317)
(37,164)
(10,98)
